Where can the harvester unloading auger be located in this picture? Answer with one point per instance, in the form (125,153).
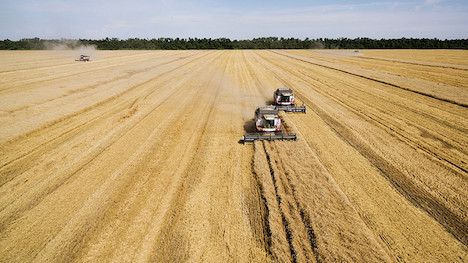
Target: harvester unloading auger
(268,125)
(284,100)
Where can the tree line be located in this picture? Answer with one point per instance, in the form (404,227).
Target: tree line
(226,43)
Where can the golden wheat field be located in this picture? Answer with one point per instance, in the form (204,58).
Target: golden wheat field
(135,157)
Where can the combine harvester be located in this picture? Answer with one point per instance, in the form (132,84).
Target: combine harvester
(268,125)
(284,100)
(83,58)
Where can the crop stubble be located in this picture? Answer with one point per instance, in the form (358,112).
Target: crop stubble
(134,157)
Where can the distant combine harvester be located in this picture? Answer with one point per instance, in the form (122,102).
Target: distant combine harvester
(83,58)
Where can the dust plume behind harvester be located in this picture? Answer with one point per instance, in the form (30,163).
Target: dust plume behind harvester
(284,100)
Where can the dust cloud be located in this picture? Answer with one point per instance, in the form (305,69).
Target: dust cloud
(72,49)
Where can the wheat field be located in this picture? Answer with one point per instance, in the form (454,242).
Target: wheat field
(135,157)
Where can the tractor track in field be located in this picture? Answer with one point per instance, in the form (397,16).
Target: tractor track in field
(285,222)
(286,234)
(291,231)
(295,224)
(453,222)
(296,231)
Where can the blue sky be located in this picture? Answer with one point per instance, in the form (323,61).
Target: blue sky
(240,19)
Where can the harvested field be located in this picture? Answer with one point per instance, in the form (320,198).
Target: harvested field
(134,157)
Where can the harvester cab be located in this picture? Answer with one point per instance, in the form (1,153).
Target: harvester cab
(284,100)
(283,96)
(267,119)
(268,125)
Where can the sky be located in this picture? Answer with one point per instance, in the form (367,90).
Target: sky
(234,19)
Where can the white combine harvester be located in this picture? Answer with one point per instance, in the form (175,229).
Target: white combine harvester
(268,125)
(83,58)
(284,100)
